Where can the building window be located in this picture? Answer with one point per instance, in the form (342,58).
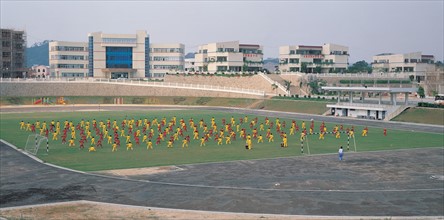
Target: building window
(156,58)
(70,66)
(167,50)
(294,60)
(168,67)
(66,48)
(120,40)
(119,57)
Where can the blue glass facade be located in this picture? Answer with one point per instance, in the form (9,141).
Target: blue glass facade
(147,57)
(91,56)
(119,57)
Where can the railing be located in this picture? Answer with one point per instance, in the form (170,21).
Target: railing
(365,75)
(280,86)
(137,83)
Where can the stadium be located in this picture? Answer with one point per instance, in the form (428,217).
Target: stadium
(394,170)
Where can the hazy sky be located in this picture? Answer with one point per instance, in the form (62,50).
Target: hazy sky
(366,27)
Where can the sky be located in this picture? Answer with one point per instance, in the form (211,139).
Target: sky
(366,27)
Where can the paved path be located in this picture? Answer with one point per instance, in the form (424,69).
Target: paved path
(395,183)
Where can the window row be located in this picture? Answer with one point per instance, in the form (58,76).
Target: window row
(167,67)
(119,40)
(69,66)
(166,59)
(68,57)
(67,48)
(166,50)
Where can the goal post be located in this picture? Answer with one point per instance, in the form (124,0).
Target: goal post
(33,143)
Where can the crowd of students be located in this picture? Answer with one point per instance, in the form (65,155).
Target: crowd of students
(148,132)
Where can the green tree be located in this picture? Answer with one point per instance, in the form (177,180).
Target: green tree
(360,66)
(274,87)
(287,84)
(304,67)
(421,92)
(317,69)
(412,77)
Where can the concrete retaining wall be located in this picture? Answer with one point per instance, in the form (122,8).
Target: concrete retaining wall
(104,89)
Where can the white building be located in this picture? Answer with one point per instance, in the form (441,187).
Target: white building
(313,59)
(39,71)
(414,63)
(229,56)
(118,55)
(189,65)
(166,58)
(68,59)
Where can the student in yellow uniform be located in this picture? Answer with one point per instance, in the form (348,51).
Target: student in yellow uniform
(144,138)
(110,139)
(321,135)
(202,141)
(338,134)
(128,138)
(260,139)
(122,133)
(149,145)
(271,138)
(129,145)
(22,125)
(170,144)
(228,139)
(302,136)
(54,136)
(114,147)
(92,148)
(71,143)
(184,143)
(249,143)
(285,140)
(219,140)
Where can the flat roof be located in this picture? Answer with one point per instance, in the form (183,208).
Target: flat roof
(369,89)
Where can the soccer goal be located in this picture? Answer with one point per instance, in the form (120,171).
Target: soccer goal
(33,143)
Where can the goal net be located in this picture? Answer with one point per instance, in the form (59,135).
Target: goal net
(33,143)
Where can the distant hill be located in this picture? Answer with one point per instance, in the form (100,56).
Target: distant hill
(38,54)
(189,55)
(270,64)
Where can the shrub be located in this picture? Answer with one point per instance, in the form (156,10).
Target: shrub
(177,100)
(297,96)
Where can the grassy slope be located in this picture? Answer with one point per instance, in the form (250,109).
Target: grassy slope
(422,115)
(104,159)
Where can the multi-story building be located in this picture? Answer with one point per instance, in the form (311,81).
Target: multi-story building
(118,55)
(166,58)
(327,58)
(229,56)
(39,71)
(13,53)
(415,62)
(189,65)
(68,59)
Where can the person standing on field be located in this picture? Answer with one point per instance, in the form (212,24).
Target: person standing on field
(341,153)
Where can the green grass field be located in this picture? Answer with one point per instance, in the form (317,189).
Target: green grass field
(104,159)
(422,115)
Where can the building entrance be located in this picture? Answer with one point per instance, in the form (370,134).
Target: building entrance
(118,75)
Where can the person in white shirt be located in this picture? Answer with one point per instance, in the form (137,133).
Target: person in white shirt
(341,153)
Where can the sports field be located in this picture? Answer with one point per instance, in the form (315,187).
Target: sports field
(105,159)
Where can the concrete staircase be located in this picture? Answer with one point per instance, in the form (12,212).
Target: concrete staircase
(395,111)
